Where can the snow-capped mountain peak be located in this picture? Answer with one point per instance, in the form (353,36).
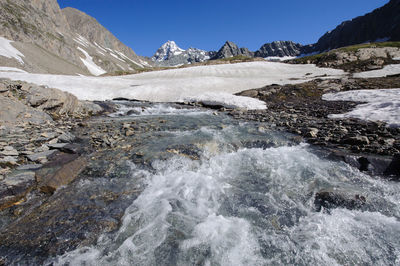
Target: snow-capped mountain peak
(170,54)
(166,51)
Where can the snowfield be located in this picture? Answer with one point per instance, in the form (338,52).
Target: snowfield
(216,82)
(7,50)
(385,71)
(379,105)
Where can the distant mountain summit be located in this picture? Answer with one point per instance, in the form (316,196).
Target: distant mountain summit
(167,51)
(170,54)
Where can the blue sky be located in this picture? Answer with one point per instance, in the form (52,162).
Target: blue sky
(145,25)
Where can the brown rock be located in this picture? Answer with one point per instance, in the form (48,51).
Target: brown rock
(65,175)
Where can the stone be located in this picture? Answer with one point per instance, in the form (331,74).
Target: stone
(9,151)
(8,161)
(337,198)
(65,175)
(36,157)
(29,167)
(357,140)
(15,187)
(394,168)
(66,137)
(312,132)
(129,132)
(49,135)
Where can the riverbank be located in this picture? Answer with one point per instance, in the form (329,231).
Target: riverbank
(300,109)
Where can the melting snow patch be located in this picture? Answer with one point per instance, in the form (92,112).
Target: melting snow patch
(381,105)
(12,69)
(278,58)
(82,41)
(227,100)
(386,71)
(91,66)
(7,50)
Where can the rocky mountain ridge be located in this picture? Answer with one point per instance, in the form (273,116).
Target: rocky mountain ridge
(381,24)
(59,41)
(170,54)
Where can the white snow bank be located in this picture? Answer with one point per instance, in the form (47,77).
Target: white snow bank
(396,58)
(11,69)
(227,100)
(278,58)
(387,70)
(381,105)
(82,41)
(177,84)
(7,50)
(91,66)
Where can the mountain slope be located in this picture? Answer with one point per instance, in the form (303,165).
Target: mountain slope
(382,23)
(55,41)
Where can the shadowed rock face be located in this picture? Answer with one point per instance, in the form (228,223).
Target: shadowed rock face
(230,49)
(382,23)
(279,48)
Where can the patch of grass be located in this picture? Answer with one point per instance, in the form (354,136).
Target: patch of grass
(354,48)
(331,56)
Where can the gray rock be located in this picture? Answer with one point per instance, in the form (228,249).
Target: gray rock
(18,178)
(57,146)
(29,167)
(13,111)
(66,137)
(41,155)
(357,140)
(8,161)
(339,198)
(9,151)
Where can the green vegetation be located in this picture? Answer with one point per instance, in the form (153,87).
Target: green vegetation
(354,48)
(240,58)
(330,56)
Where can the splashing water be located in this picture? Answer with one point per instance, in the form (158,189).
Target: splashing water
(249,206)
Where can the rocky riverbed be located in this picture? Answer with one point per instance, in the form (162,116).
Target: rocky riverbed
(300,109)
(70,170)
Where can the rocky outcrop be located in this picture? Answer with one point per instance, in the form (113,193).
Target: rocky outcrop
(230,49)
(382,23)
(354,60)
(29,102)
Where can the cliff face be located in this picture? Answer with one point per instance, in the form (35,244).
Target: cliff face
(230,49)
(382,23)
(62,41)
(280,49)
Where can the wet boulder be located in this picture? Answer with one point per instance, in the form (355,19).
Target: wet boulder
(15,187)
(335,198)
(51,178)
